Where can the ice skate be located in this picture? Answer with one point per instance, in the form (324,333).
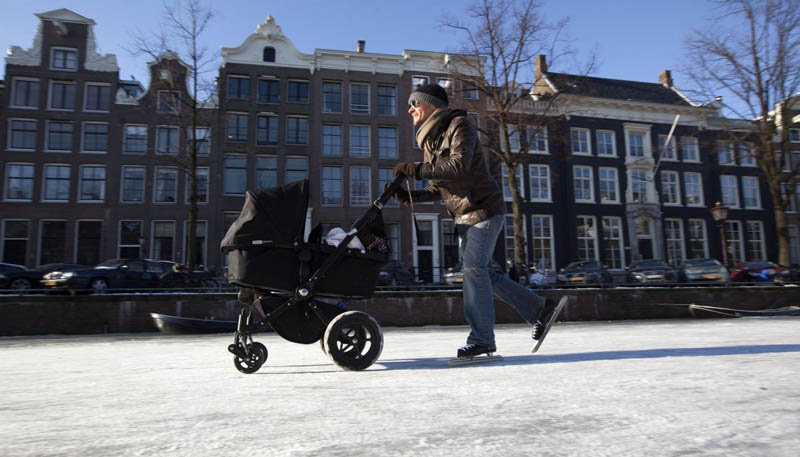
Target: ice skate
(475,353)
(546,319)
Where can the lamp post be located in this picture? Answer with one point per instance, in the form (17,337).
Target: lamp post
(720,212)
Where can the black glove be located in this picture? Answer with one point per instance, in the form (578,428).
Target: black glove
(400,194)
(407,169)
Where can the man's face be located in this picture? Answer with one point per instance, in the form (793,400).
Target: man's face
(421,112)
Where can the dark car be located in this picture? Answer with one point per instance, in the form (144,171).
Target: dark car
(759,271)
(648,271)
(703,270)
(111,274)
(584,272)
(395,273)
(177,276)
(24,279)
(9,269)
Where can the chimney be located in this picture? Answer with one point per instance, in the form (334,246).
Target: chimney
(541,66)
(665,78)
(361,44)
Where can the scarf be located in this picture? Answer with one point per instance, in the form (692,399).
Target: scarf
(431,128)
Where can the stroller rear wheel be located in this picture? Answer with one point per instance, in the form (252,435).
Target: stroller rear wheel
(258,355)
(353,340)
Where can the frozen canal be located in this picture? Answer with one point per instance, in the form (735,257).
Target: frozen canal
(641,388)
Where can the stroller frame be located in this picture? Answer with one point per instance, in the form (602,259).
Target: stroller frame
(352,339)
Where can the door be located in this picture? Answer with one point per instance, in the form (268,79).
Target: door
(426,248)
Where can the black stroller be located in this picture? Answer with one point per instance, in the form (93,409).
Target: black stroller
(299,288)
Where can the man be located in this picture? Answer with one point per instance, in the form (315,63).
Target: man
(459,175)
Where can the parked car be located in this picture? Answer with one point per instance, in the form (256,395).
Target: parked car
(9,269)
(697,270)
(111,274)
(455,275)
(759,271)
(24,279)
(3,281)
(177,276)
(395,273)
(584,272)
(648,271)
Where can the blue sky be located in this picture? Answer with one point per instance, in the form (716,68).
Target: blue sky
(633,39)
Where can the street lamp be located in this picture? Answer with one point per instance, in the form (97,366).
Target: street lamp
(720,213)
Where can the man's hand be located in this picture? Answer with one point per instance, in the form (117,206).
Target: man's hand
(408,169)
(400,194)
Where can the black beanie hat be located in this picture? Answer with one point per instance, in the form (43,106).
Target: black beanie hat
(432,94)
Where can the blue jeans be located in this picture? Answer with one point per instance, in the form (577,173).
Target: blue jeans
(475,245)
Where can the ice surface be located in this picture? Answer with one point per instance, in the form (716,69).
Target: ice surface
(635,388)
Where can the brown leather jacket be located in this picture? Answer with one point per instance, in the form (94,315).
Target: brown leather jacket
(458,174)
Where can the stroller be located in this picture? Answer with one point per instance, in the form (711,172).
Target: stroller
(299,288)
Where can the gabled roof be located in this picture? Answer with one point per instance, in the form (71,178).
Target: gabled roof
(635,91)
(65,15)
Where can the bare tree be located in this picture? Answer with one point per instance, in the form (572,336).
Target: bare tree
(185,96)
(496,74)
(750,53)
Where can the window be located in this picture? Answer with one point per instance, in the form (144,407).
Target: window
(755,240)
(606,143)
(235,175)
(269,91)
(693,188)
(733,235)
(587,238)
(59,136)
(635,144)
(725,154)
(56,183)
(584,191)
(750,193)
(417,81)
(134,139)
(385,176)
(639,186)
(201,177)
(513,139)
(332,186)
(168,102)
(62,95)
(88,237)
(166,185)
(98,97)
(698,249)
(296,168)
(297,92)
(25,93)
(202,137)
(730,191)
(297,130)
(509,241)
(609,185)
(673,229)
(668,152)
(267,130)
(199,248)
(794,135)
(359,98)
(266,172)
(670,188)
(163,240)
(19,182)
(331,97)
(95,137)
(507,185)
(133,184)
(129,234)
(167,140)
(644,238)
(15,241)
(387,142)
(359,141)
(449,243)
(22,134)
(268,54)
(236,127)
(689,149)
(447,85)
(540,182)
(393,234)
(470,90)
(238,87)
(746,155)
(613,249)
(387,100)
(92,186)
(542,238)
(52,242)
(332,140)
(537,139)
(63,59)
(359,186)
(580,141)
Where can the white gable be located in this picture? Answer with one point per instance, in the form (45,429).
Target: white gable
(65,15)
(251,51)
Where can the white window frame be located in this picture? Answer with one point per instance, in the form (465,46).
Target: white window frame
(690,140)
(369,142)
(613,136)
(9,136)
(736,242)
(63,48)
(155,185)
(188,192)
(506,186)
(13,93)
(83,137)
(701,202)
(590,178)
(361,201)
(728,149)
(45,179)
(415,77)
(621,239)
(4,230)
(125,136)
(649,190)
(731,179)
(50,84)
(794,135)
(225,177)
(545,190)
(39,242)
(756,189)
(616,185)
(680,240)
(704,238)
(86,96)
(351,106)
(6,182)
(322,189)
(204,223)
(550,262)
(532,133)
(573,131)
(510,238)
(119,237)
(671,147)
(177,144)
(581,220)
(761,243)
(674,185)
(80,182)
(190,133)
(47,136)
(746,154)
(175,97)
(228,87)
(122,185)
(152,246)
(296,80)
(308,130)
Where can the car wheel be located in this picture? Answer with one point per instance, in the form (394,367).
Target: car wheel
(98,286)
(20,284)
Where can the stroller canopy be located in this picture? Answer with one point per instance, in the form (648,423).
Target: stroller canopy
(276,215)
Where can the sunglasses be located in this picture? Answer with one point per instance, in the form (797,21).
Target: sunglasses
(414,103)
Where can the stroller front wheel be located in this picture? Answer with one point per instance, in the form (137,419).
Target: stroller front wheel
(353,340)
(258,355)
